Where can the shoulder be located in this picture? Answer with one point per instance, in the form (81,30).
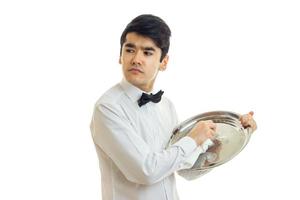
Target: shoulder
(113,105)
(111,99)
(111,96)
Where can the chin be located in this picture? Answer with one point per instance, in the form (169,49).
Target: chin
(134,81)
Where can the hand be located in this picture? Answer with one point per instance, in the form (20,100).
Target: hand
(213,152)
(202,131)
(248,121)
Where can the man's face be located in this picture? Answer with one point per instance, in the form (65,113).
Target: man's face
(140,59)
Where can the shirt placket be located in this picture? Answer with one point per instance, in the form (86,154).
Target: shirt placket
(155,128)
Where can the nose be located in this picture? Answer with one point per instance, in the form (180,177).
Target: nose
(137,58)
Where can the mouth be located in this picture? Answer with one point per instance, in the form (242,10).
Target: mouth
(135,70)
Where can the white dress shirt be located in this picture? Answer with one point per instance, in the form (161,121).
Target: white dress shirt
(131,144)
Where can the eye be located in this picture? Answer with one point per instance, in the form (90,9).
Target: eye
(148,53)
(129,50)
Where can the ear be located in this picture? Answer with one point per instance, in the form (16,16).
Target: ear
(163,63)
(120,61)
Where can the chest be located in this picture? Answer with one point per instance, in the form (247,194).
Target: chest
(154,124)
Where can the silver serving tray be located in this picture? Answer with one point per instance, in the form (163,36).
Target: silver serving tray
(231,138)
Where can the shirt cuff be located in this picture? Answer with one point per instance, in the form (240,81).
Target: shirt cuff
(187,144)
(190,161)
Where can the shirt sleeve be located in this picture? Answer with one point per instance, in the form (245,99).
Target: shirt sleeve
(115,135)
(190,161)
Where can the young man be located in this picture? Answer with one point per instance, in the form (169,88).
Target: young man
(131,125)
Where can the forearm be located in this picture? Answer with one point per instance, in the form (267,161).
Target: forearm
(159,165)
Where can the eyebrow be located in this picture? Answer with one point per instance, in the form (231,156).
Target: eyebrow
(149,49)
(131,45)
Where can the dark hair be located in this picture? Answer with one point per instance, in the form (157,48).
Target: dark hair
(150,26)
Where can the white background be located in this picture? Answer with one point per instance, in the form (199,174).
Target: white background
(57,58)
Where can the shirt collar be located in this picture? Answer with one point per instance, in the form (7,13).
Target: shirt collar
(132,91)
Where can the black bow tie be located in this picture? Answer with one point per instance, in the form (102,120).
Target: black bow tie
(145,98)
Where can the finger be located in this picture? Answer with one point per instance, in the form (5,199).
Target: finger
(246,118)
(243,119)
(212,125)
(246,123)
(211,134)
(209,121)
(251,124)
(249,115)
